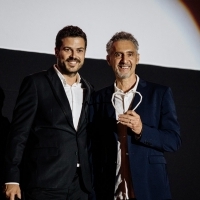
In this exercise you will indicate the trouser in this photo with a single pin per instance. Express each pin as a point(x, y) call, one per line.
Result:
point(76, 191)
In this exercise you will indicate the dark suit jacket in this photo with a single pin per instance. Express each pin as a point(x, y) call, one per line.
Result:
point(160, 134)
point(43, 140)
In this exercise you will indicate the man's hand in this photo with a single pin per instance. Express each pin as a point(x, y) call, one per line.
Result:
point(132, 120)
point(12, 190)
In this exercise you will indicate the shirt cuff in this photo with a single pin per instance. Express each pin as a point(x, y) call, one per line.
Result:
point(12, 183)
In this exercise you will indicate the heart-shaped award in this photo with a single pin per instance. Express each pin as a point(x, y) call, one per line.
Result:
point(118, 92)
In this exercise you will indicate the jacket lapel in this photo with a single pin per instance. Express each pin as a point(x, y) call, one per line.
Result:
point(58, 90)
point(108, 102)
point(141, 90)
point(83, 120)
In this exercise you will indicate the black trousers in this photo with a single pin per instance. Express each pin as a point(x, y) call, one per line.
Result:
point(76, 191)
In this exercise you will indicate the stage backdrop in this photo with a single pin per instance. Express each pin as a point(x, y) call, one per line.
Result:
point(169, 38)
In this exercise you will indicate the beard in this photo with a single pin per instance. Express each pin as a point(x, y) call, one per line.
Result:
point(122, 75)
point(69, 70)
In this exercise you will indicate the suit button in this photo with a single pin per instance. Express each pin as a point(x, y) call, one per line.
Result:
point(76, 153)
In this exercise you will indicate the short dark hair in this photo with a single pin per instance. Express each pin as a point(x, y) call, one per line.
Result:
point(121, 36)
point(70, 31)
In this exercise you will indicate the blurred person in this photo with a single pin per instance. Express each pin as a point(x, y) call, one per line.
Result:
point(4, 129)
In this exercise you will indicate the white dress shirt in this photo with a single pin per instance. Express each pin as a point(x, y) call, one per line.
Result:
point(74, 95)
point(122, 103)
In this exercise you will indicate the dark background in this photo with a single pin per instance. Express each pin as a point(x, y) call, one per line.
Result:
point(184, 165)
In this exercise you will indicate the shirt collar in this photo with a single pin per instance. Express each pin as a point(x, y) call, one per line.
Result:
point(116, 89)
point(62, 78)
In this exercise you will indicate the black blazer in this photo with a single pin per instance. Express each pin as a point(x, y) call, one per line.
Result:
point(43, 142)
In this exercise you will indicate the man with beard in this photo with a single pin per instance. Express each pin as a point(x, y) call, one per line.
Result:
point(47, 146)
point(135, 123)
